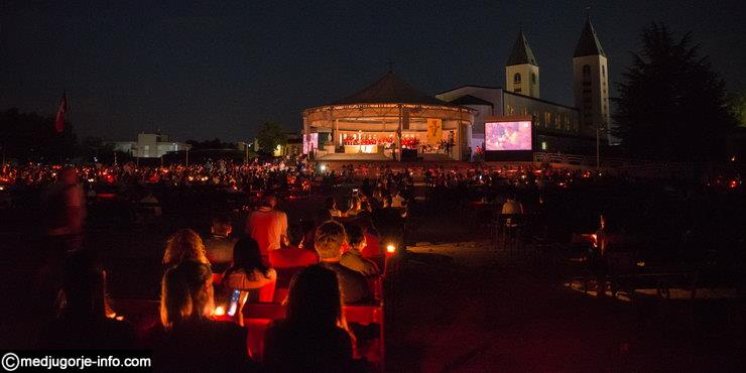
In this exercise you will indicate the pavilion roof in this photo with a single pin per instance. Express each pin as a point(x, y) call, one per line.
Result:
point(390, 89)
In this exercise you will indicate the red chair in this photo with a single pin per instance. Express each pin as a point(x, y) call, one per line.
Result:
point(284, 276)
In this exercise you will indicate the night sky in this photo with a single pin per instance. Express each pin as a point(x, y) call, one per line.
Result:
point(205, 69)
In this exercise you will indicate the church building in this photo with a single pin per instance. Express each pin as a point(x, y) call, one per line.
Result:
point(556, 127)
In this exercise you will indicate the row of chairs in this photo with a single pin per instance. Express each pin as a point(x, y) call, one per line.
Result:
point(256, 316)
point(270, 306)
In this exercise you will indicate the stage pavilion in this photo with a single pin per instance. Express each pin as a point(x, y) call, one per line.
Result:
point(388, 120)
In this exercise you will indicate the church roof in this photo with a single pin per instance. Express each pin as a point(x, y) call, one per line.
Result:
point(521, 53)
point(390, 89)
point(470, 100)
point(588, 45)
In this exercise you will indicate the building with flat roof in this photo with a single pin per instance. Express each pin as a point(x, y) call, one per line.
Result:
point(150, 145)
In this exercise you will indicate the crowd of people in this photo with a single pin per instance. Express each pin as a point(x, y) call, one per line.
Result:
point(333, 261)
point(331, 270)
point(337, 261)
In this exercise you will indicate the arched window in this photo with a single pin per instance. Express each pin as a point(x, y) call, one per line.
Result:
point(603, 71)
point(517, 78)
point(533, 78)
point(586, 71)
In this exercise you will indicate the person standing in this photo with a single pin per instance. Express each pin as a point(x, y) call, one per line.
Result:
point(65, 211)
point(268, 226)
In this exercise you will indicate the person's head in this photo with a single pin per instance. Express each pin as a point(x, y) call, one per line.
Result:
point(330, 203)
point(329, 238)
point(83, 285)
point(268, 200)
point(221, 226)
point(246, 255)
point(314, 299)
point(356, 237)
point(183, 245)
point(68, 175)
point(186, 293)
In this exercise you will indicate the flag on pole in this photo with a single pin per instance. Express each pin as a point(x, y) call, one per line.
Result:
point(59, 120)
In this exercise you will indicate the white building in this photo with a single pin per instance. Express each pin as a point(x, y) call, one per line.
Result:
point(150, 145)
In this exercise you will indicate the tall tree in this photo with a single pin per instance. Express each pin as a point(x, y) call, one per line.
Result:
point(269, 136)
point(671, 104)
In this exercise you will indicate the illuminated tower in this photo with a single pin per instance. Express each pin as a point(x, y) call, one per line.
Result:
point(591, 81)
point(521, 70)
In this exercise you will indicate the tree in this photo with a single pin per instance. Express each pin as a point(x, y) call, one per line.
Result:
point(270, 135)
point(737, 106)
point(671, 104)
point(31, 137)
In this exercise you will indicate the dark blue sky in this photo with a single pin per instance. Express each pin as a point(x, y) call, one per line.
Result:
point(201, 69)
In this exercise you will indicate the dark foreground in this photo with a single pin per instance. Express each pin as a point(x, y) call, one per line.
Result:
point(456, 305)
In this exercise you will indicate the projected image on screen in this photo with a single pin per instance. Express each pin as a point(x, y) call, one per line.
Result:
point(310, 142)
point(507, 136)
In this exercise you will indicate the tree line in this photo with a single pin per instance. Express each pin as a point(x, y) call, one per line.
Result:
point(30, 137)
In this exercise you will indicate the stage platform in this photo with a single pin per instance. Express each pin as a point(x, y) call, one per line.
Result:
point(370, 157)
point(377, 157)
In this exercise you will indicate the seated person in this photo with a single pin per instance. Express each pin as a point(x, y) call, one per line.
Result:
point(353, 258)
point(372, 249)
point(248, 271)
point(330, 236)
point(83, 322)
point(309, 229)
point(313, 337)
point(354, 207)
point(183, 245)
point(188, 339)
point(219, 246)
point(291, 257)
point(331, 206)
point(512, 206)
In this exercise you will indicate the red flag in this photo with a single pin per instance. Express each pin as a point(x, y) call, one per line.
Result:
point(59, 120)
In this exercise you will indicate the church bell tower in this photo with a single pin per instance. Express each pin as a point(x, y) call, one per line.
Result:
point(591, 81)
point(521, 69)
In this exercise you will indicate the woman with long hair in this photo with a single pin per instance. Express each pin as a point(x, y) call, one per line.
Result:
point(248, 274)
point(314, 335)
point(185, 244)
point(190, 340)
